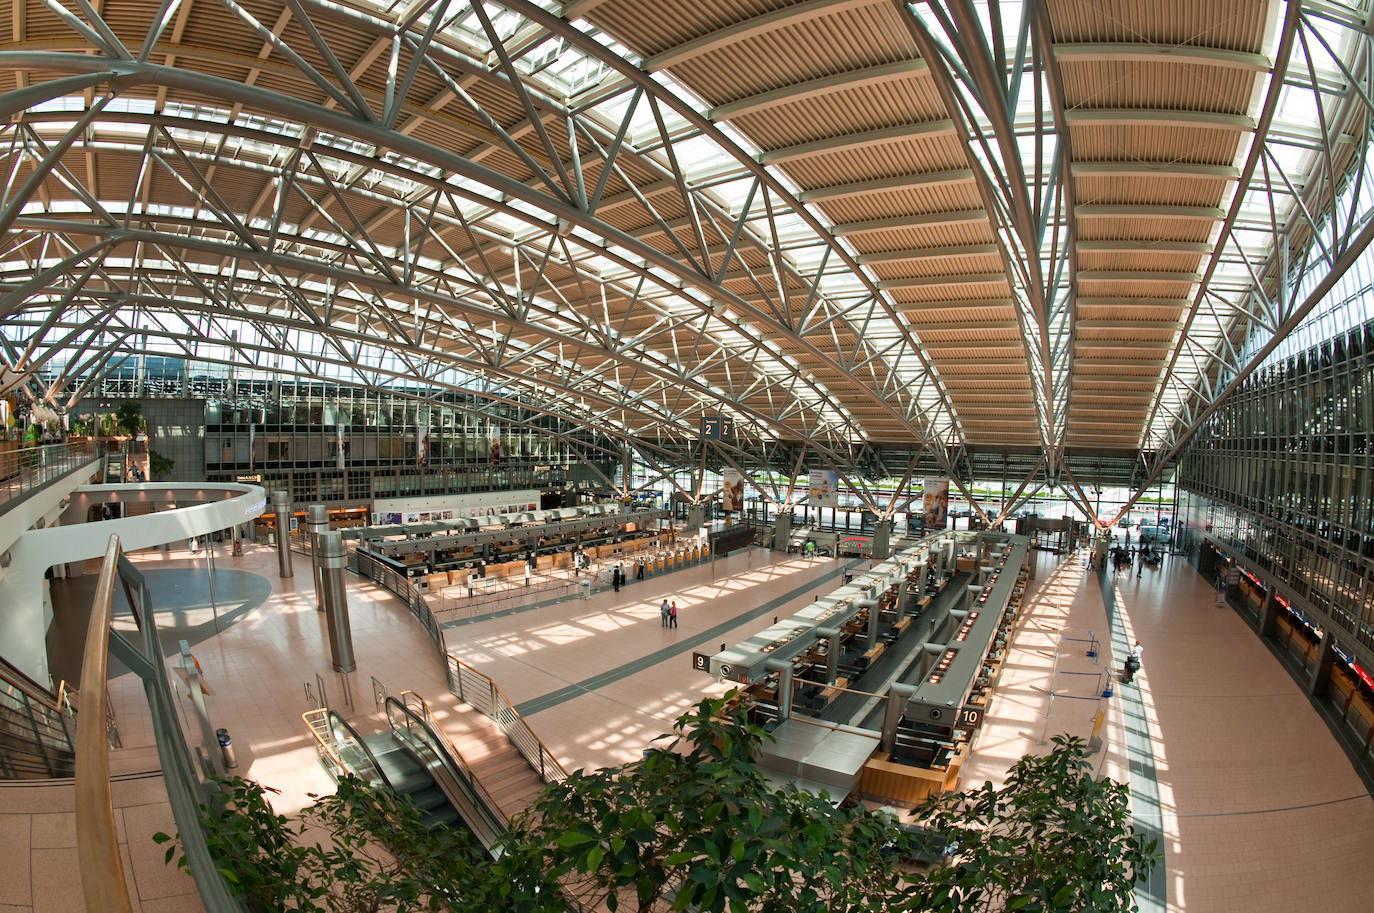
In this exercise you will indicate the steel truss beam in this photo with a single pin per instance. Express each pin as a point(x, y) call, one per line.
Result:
point(883, 392)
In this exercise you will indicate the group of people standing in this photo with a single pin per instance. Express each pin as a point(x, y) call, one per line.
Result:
point(668, 613)
point(1122, 557)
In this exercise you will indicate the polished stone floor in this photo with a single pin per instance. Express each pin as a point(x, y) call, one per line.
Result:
point(1256, 806)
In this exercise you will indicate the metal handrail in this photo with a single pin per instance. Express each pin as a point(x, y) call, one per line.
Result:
point(97, 842)
point(69, 703)
point(501, 711)
point(102, 879)
point(327, 735)
point(38, 465)
point(431, 730)
point(16, 677)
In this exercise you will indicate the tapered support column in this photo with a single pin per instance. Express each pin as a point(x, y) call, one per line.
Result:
point(784, 670)
point(897, 697)
point(871, 634)
point(316, 522)
point(832, 652)
point(281, 505)
point(1326, 659)
point(332, 561)
point(782, 531)
point(882, 534)
point(1269, 614)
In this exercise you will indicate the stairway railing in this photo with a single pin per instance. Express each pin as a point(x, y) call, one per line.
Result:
point(411, 714)
point(102, 871)
point(341, 748)
point(486, 696)
point(36, 736)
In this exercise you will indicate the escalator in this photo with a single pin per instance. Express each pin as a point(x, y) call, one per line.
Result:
point(408, 777)
point(413, 759)
point(115, 468)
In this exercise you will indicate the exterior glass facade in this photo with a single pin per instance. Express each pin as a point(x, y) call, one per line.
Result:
point(1281, 475)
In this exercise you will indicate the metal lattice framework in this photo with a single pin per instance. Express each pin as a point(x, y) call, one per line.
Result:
point(885, 236)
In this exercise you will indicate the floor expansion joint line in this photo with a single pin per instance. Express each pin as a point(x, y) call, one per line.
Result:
point(1151, 895)
point(577, 689)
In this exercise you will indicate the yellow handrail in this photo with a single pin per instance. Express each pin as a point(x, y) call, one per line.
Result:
point(102, 870)
point(311, 717)
point(496, 690)
point(17, 679)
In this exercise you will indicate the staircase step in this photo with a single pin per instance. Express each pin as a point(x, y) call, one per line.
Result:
point(134, 760)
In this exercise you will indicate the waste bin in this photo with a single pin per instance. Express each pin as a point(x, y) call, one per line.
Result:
point(226, 749)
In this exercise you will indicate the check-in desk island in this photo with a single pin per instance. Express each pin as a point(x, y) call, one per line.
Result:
point(439, 553)
point(878, 687)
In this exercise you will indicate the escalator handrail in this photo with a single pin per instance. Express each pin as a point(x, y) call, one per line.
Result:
point(335, 720)
point(446, 752)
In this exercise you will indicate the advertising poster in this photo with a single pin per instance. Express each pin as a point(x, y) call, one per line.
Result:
point(340, 456)
point(825, 488)
point(732, 495)
point(935, 503)
point(421, 445)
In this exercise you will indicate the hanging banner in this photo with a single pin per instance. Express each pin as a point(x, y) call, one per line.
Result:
point(252, 440)
point(732, 495)
point(421, 445)
point(340, 457)
point(935, 503)
point(825, 488)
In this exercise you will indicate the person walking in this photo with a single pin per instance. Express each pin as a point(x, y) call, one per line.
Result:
point(672, 615)
point(527, 574)
point(472, 581)
point(1140, 569)
point(663, 614)
point(615, 578)
point(639, 568)
point(1132, 665)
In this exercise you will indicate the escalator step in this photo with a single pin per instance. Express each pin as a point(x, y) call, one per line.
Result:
point(443, 816)
point(430, 798)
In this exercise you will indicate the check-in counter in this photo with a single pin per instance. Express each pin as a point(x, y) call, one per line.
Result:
point(907, 785)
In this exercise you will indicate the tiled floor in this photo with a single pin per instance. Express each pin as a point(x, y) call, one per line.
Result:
point(1260, 809)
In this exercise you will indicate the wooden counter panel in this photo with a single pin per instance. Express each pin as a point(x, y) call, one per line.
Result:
point(883, 780)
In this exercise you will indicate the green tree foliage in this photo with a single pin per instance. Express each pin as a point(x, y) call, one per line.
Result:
point(694, 826)
point(698, 828)
point(357, 851)
point(1052, 840)
point(129, 419)
point(159, 466)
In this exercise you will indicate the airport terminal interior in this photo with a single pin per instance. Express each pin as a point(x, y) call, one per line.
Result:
point(455, 393)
